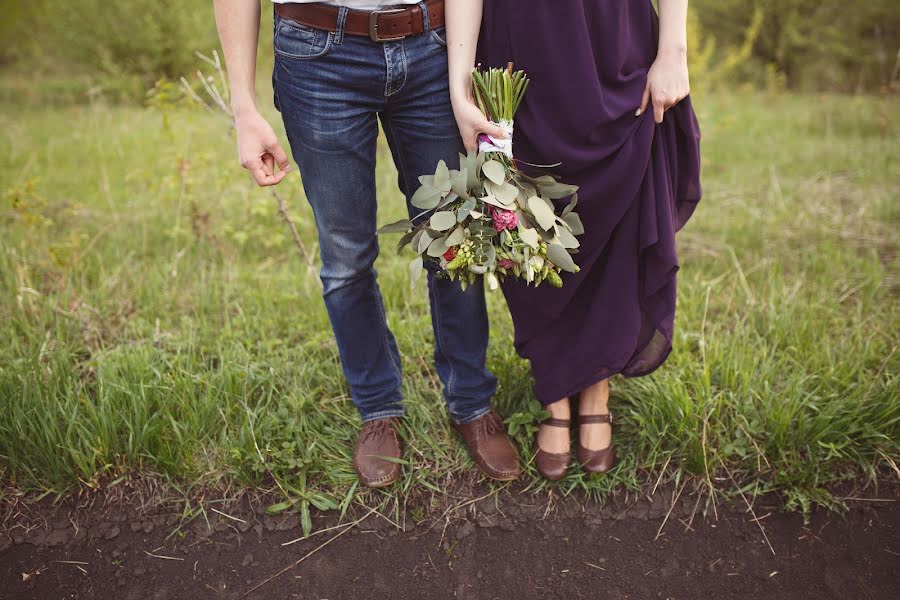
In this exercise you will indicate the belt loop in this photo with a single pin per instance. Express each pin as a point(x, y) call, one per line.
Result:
point(426, 26)
point(341, 22)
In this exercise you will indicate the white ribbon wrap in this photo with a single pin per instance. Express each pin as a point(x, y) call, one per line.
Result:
point(492, 144)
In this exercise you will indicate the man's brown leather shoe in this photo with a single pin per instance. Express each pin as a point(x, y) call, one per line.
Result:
point(490, 447)
point(377, 439)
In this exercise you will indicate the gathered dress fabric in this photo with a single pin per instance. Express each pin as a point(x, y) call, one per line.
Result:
point(639, 183)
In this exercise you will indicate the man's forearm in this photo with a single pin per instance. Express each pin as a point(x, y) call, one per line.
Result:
point(463, 23)
point(673, 26)
point(238, 25)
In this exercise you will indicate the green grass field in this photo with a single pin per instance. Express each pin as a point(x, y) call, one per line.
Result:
point(156, 317)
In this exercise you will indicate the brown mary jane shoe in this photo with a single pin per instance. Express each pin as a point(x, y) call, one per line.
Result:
point(552, 465)
point(596, 461)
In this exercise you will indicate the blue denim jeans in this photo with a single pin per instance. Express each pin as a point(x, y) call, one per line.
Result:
point(332, 89)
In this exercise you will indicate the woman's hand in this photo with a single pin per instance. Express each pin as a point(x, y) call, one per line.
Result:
point(667, 83)
point(471, 121)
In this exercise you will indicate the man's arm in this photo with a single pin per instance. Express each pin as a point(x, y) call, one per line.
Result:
point(258, 147)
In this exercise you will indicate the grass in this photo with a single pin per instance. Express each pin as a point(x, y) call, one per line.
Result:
point(155, 317)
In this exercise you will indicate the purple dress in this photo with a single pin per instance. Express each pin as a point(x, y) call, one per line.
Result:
point(639, 183)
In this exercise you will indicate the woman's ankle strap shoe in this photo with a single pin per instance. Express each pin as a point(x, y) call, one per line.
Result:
point(552, 465)
point(596, 461)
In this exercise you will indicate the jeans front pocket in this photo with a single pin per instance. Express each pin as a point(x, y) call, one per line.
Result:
point(295, 41)
point(439, 35)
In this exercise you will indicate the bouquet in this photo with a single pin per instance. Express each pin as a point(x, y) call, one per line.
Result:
point(489, 218)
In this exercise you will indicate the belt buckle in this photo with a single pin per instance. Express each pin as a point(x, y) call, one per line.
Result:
point(373, 24)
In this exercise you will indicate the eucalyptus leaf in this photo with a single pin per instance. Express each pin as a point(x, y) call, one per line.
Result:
point(442, 177)
point(406, 239)
point(438, 247)
point(571, 205)
point(424, 242)
point(459, 183)
point(543, 213)
point(529, 236)
point(492, 200)
point(456, 237)
point(414, 242)
point(426, 197)
point(558, 190)
point(472, 175)
point(442, 220)
point(561, 258)
point(522, 217)
point(566, 238)
point(401, 226)
point(574, 222)
point(426, 180)
point(448, 199)
point(415, 270)
point(494, 171)
point(506, 193)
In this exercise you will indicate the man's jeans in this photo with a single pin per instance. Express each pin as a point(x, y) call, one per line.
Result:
point(331, 90)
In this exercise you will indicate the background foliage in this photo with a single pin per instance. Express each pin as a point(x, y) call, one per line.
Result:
point(809, 45)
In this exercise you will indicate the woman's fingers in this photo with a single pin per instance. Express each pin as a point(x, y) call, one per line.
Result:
point(493, 130)
point(470, 138)
point(644, 100)
point(659, 109)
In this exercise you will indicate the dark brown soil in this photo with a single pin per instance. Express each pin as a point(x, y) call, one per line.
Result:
point(522, 551)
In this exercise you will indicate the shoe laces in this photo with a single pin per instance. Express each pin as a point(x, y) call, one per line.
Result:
point(376, 429)
point(488, 426)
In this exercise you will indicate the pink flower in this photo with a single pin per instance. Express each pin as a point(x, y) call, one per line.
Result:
point(450, 254)
point(504, 219)
point(507, 263)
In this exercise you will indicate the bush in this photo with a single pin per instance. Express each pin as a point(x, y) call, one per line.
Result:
point(810, 44)
point(143, 40)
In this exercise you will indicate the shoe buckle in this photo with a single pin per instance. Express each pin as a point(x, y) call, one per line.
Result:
point(373, 25)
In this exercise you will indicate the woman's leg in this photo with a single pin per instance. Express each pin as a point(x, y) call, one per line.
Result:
point(595, 401)
point(555, 439)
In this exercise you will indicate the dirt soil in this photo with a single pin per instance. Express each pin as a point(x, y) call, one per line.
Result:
point(485, 549)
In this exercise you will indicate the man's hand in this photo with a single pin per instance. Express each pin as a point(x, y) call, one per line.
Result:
point(259, 150)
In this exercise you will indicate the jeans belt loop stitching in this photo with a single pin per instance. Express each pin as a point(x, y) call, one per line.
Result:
point(341, 22)
point(426, 18)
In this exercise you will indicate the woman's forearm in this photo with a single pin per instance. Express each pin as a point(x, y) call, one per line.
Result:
point(463, 23)
point(238, 25)
point(673, 26)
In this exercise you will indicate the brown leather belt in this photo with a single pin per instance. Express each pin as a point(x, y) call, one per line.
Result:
point(379, 25)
